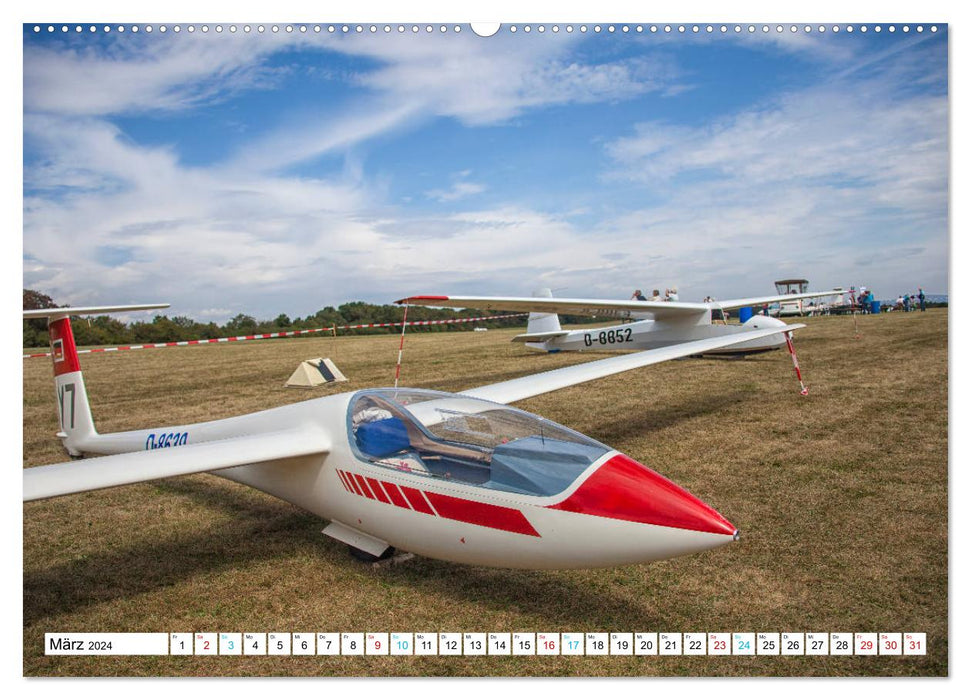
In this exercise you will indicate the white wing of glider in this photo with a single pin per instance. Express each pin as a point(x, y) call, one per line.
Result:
point(578, 307)
point(660, 310)
point(759, 301)
point(535, 384)
point(134, 467)
point(63, 311)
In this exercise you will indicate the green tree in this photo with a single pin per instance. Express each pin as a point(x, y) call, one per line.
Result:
point(37, 300)
point(35, 329)
point(241, 322)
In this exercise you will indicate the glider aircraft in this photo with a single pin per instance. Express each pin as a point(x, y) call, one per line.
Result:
point(461, 477)
point(652, 324)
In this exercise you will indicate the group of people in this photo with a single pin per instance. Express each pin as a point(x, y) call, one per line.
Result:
point(865, 299)
point(669, 295)
point(911, 302)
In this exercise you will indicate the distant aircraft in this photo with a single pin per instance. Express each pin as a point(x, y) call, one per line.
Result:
point(460, 477)
point(652, 324)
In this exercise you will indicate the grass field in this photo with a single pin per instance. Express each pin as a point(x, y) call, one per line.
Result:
point(841, 498)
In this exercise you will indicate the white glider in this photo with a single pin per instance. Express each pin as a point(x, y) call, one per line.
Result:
point(460, 477)
point(651, 324)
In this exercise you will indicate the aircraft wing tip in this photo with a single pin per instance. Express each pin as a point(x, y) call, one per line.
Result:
point(420, 298)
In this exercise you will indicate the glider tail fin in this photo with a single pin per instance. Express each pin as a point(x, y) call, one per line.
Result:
point(542, 322)
point(74, 411)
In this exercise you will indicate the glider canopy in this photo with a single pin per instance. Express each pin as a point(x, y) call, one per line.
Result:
point(452, 437)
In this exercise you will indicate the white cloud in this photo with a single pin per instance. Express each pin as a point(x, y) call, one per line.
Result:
point(484, 82)
point(189, 235)
point(414, 79)
point(298, 142)
point(460, 189)
point(819, 182)
point(148, 228)
point(856, 133)
point(138, 74)
point(504, 250)
point(462, 77)
point(798, 181)
point(140, 221)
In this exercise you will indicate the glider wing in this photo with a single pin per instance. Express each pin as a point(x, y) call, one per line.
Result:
point(64, 311)
point(759, 301)
point(533, 385)
point(134, 467)
point(580, 307)
point(660, 310)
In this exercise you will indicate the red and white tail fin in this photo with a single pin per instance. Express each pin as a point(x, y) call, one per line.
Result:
point(73, 409)
point(77, 425)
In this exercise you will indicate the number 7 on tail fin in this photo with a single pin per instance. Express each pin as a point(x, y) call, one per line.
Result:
point(76, 423)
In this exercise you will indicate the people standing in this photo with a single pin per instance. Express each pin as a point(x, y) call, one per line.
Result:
point(638, 296)
point(922, 298)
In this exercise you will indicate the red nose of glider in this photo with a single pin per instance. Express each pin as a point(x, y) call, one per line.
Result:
point(627, 490)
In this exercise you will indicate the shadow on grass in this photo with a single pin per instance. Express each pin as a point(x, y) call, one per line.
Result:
point(650, 418)
point(147, 567)
point(266, 531)
point(483, 373)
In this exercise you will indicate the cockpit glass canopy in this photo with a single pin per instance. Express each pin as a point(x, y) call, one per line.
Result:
point(457, 438)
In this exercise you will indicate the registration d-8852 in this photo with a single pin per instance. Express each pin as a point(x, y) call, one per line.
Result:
point(611, 337)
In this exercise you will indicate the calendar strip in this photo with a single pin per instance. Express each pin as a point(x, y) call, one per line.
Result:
point(487, 644)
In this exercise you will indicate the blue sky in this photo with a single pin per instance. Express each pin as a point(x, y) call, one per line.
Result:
point(232, 172)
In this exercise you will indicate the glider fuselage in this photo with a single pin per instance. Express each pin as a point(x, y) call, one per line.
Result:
point(650, 334)
point(610, 511)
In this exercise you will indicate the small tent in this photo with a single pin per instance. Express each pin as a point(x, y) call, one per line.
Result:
point(319, 370)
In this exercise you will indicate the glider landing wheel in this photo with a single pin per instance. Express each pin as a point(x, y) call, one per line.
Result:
point(369, 558)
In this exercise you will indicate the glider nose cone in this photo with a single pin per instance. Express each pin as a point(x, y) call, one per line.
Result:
point(627, 490)
point(663, 502)
point(669, 504)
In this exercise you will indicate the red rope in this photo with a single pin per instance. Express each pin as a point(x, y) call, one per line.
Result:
point(795, 363)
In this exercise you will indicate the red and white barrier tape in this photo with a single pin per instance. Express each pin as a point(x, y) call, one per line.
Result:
point(280, 334)
point(426, 323)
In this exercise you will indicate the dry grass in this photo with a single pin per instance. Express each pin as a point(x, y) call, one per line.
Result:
point(841, 498)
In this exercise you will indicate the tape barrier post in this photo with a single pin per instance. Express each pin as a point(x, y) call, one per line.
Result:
point(401, 347)
point(853, 312)
point(795, 364)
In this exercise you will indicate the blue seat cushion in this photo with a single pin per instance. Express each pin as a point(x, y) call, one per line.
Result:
point(383, 438)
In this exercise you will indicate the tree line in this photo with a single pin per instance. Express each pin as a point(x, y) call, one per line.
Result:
point(105, 330)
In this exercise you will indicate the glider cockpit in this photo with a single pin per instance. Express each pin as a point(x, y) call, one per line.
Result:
point(469, 440)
